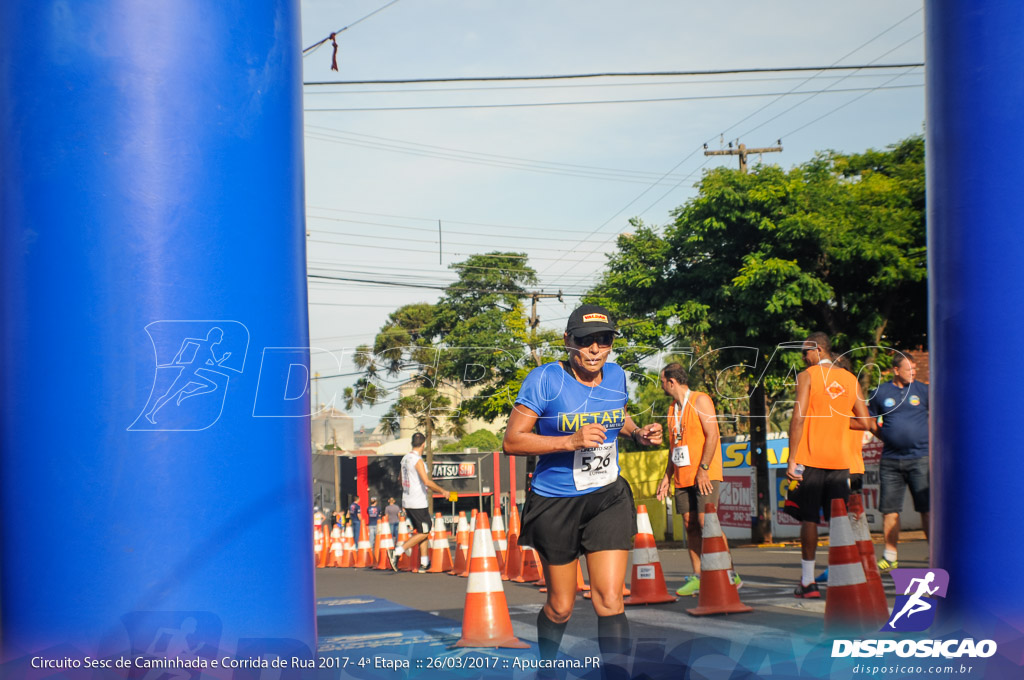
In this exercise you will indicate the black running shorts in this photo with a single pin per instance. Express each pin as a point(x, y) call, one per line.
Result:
point(818, 489)
point(561, 529)
point(419, 520)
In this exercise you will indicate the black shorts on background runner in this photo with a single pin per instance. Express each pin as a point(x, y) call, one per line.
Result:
point(818, 488)
point(419, 520)
point(563, 528)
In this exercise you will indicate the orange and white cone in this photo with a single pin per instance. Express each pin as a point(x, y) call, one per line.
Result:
point(440, 554)
point(500, 540)
point(337, 549)
point(386, 543)
point(348, 557)
point(530, 570)
point(862, 534)
point(319, 548)
point(461, 547)
point(363, 558)
point(648, 579)
point(718, 594)
point(377, 538)
point(326, 543)
point(514, 556)
point(403, 536)
point(848, 602)
point(486, 621)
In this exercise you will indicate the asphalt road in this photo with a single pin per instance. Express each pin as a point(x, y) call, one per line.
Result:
point(769, 576)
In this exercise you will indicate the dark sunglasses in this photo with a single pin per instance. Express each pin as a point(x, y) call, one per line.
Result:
point(602, 339)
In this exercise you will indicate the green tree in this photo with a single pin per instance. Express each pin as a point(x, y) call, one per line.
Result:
point(473, 342)
point(836, 244)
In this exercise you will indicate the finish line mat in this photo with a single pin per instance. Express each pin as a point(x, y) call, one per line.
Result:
point(370, 637)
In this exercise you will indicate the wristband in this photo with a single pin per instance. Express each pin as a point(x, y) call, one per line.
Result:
point(632, 435)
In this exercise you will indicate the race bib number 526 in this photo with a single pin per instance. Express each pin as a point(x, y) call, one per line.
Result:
point(596, 467)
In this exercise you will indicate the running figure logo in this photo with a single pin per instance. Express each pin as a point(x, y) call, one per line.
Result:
point(915, 608)
point(194, 363)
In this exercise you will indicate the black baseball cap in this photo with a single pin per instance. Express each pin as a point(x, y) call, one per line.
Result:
point(587, 319)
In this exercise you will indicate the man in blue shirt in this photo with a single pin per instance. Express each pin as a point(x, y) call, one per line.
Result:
point(901, 407)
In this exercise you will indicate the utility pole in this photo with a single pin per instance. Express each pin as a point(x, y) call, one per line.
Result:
point(742, 151)
point(535, 320)
point(761, 530)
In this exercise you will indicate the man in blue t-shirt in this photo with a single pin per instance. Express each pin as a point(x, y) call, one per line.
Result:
point(901, 408)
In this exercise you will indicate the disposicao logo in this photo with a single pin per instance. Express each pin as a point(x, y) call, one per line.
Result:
point(914, 611)
point(915, 608)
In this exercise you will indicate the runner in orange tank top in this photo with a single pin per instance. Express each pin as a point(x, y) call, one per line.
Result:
point(694, 461)
point(828, 404)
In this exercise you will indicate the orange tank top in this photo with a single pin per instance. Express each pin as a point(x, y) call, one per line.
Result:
point(856, 441)
point(685, 430)
point(825, 443)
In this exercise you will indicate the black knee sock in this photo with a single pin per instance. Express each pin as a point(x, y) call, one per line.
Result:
point(613, 634)
point(615, 644)
point(549, 635)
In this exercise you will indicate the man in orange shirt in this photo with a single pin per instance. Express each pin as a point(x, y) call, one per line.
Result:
point(694, 462)
point(828, 403)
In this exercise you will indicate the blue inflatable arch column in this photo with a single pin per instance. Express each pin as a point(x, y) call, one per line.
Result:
point(154, 449)
point(975, 99)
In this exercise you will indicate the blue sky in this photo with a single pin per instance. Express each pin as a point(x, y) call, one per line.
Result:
point(560, 182)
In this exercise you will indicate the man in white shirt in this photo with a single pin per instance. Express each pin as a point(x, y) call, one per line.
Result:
point(415, 482)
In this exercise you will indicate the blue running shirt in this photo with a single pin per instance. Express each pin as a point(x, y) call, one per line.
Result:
point(565, 406)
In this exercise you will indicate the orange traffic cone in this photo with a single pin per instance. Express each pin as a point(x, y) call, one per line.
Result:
point(500, 540)
point(440, 554)
point(348, 557)
point(848, 602)
point(377, 538)
point(403, 536)
point(461, 547)
point(648, 580)
point(318, 546)
point(530, 570)
point(486, 622)
point(325, 543)
point(337, 549)
point(718, 594)
point(386, 544)
point(862, 535)
point(363, 558)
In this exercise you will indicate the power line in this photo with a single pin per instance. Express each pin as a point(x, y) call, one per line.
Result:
point(833, 66)
point(606, 74)
point(570, 86)
point(473, 156)
point(595, 102)
point(309, 50)
point(413, 285)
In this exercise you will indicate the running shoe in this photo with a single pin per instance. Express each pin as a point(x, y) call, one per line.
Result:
point(885, 566)
point(424, 568)
point(689, 587)
point(736, 580)
point(822, 577)
point(807, 592)
point(392, 559)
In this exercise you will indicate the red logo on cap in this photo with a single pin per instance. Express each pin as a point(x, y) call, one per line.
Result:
point(595, 317)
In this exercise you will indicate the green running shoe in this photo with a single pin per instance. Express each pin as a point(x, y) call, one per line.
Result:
point(885, 566)
point(690, 587)
point(736, 580)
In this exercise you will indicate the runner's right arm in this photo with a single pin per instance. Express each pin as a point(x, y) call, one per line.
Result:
point(521, 440)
